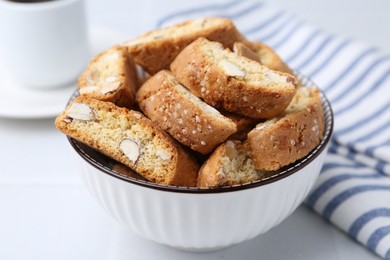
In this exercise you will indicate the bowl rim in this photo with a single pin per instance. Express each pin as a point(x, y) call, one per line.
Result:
point(281, 174)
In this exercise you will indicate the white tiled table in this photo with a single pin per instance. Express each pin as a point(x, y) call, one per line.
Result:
point(46, 213)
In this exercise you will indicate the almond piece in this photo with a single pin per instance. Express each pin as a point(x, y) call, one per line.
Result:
point(92, 76)
point(110, 87)
point(80, 111)
point(131, 149)
point(163, 155)
point(242, 50)
point(111, 79)
point(88, 90)
point(230, 150)
point(231, 69)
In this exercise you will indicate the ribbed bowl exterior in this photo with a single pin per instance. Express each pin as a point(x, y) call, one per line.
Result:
point(204, 221)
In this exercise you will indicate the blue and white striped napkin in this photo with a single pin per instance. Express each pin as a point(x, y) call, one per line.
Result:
point(353, 190)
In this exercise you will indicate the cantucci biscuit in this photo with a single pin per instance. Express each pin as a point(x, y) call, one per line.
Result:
point(156, 49)
point(130, 138)
point(110, 76)
point(183, 115)
point(282, 140)
point(232, 82)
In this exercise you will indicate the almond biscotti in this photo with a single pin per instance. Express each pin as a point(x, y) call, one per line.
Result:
point(229, 164)
point(156, 49)
point(130, 138)
point(282, 140)
point(183, 115)
point(110, 76)
point(232, 82)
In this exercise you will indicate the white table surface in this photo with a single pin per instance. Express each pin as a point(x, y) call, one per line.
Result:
point(47, 213)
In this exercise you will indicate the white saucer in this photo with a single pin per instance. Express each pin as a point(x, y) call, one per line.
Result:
point(19, 102)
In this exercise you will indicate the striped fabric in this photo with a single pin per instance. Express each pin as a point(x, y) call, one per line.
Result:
point(353, 190)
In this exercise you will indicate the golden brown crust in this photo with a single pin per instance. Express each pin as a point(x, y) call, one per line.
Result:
point(207, 80)
point(183, 115)
point(118, 86)
point(158, 54)
point(210, 174)
point(160, 159)
point(279, 142)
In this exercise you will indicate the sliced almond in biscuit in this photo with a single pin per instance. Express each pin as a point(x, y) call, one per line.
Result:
point(92, 76)
point(231, 69)
point(131, 149)
point(163, 155)
point(88, 90)
point(230, 150)
point(110, 87)
point(80, 112)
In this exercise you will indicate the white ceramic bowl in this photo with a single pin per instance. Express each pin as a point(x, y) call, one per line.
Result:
point(202, 219)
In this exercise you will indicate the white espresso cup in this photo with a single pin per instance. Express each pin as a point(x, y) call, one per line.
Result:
point(43, 44)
